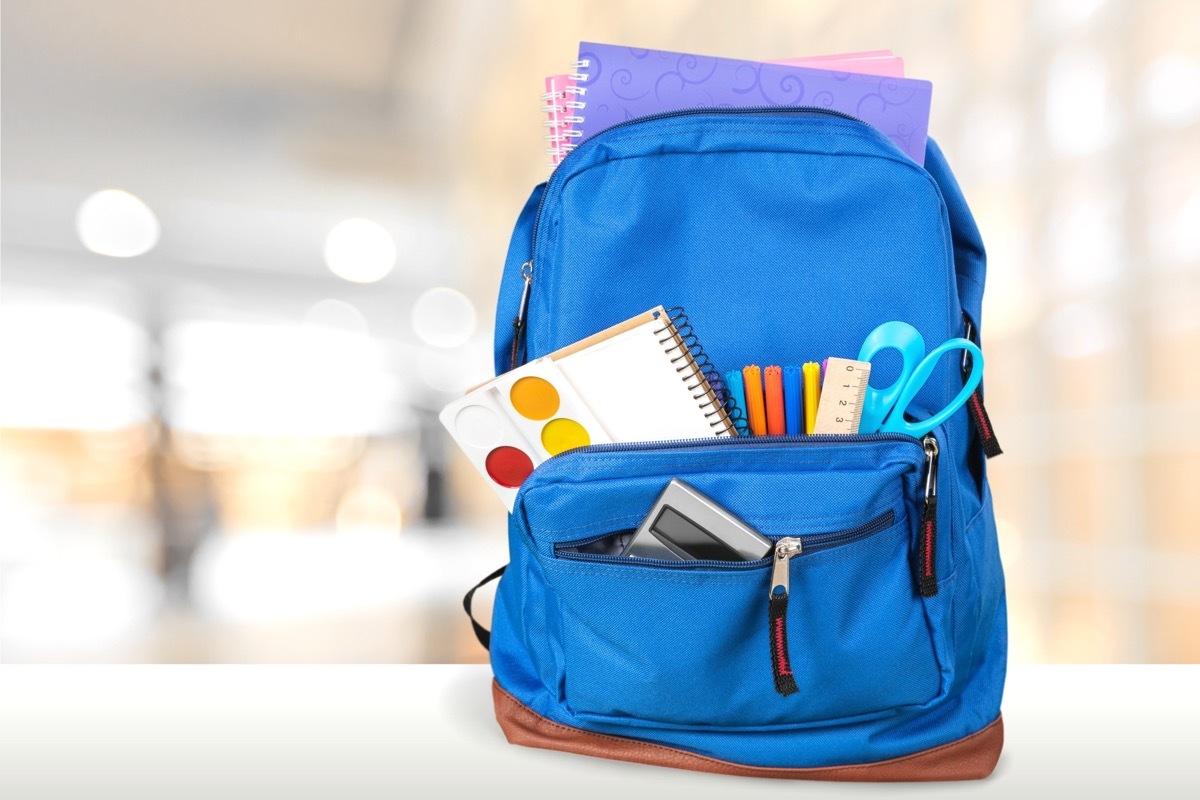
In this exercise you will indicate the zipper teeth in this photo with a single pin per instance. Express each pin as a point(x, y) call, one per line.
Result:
point(788, 111)
point(730, 441)
point(812, 543)
point(870, 528)
point(660, 562)
point(687, 112)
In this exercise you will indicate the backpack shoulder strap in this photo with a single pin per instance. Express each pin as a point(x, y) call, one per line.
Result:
point(481, 633)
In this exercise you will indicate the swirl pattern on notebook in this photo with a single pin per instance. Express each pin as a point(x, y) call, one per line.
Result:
point(621, 83)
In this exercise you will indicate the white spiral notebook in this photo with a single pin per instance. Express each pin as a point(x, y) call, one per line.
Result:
point(643, 382)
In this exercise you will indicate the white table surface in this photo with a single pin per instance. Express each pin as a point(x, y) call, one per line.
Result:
point(416, 731)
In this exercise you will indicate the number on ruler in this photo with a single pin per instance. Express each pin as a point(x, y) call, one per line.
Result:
point(840, 410)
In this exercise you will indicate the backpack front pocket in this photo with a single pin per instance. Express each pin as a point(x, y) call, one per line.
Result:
point(691, 643)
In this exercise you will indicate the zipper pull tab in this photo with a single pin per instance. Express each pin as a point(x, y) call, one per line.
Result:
point(519, 323)
point(983, 425)
point(784, 550)
point(975, 410)
point(927, 557)
point(781, 664)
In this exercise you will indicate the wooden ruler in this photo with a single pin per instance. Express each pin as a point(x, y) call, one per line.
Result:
point(842, 395)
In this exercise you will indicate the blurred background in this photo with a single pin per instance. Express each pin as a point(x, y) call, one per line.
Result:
point(251, 248)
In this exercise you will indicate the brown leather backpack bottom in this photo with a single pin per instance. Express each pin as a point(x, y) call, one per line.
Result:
point(969, 758)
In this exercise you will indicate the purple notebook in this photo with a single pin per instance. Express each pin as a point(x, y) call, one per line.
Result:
point(624, 82)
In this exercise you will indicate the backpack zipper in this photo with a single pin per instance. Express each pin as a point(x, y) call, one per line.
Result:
point(927, 557)
point(763, 111)
point(975, 408)
point(803, 440)
point(812, 542)
point(518, 347)
point(518, 342)
point(788, 548)
point(781, 555)
point(781, 662)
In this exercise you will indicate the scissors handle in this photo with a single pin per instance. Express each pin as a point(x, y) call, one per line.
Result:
point(896, 423)
point(905, 339)
point(883, 409)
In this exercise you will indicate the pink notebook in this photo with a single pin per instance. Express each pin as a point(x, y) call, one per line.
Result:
point(561, 107)
point(872, 62)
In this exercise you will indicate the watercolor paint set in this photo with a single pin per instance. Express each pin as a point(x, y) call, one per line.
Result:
point(511, 424)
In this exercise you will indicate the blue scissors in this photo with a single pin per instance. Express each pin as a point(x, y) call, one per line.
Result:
point(884, 409)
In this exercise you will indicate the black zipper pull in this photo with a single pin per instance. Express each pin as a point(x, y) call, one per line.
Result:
point(975, 410)
point(781, 664)
point(983, 425)
point(927, 547)
point(518, 342)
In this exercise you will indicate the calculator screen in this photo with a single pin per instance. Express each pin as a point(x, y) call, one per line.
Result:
point(676, 529)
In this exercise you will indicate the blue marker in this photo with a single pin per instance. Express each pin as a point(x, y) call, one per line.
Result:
point(793, 400)
point(736, 388)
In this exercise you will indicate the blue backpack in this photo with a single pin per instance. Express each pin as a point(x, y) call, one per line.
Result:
point(787, 235)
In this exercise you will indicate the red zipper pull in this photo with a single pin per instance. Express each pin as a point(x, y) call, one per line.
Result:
point(975, 410)
point(781, 664)
point(927, 548)
point(983, 425)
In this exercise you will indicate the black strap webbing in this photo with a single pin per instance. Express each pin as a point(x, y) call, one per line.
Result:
point(481, 633)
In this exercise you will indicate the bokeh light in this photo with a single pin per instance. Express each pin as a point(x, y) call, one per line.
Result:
point(360, 251)
point(115, 223)
point(443, 317)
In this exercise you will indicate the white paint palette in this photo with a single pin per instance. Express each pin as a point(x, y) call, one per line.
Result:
point(513, 423)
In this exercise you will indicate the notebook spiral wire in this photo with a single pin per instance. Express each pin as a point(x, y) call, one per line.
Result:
point(563, 107)
point(702, 377)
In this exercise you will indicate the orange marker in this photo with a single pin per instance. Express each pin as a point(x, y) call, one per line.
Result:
point(752, 377)
point(776, 420)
